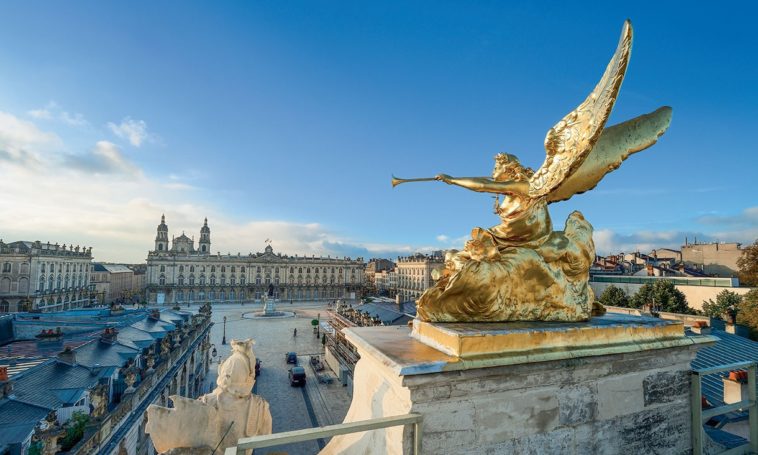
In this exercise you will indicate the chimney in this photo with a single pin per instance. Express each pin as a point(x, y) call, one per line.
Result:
point(67, 356)
point(701, 328)
point(6, 386)
point(109, 335)
point(735, 387)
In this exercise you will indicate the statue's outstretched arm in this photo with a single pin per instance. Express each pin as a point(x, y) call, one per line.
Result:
point(485, 184)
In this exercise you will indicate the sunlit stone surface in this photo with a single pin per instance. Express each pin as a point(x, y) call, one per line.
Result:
point(219, 418)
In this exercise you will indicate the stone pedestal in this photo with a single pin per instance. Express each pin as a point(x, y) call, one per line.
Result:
point(624, 387)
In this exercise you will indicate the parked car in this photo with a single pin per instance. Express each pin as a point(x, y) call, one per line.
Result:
point(257, 367)
point(297, 376)
point(291, 357)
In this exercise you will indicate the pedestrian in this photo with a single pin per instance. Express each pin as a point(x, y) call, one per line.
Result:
point(294, 333)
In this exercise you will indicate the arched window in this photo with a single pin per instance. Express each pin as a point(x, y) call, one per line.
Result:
point(163, 268)
point(162, 280)
point(213, 280)
point(242, 281)
point(180, 280)
point(242, 269)
point(192, 280)
point(202, 280)
point(259, 269)
point(42, 269)
point(50, 282)
point(292, 270)
point(315, 270)
point(308, 270)
point(232, 281)
point(213, 268)
point(223, 280)
point(67, 267)
point(276, 281)
point(58, 282)
point(223, 268)
point(299, 270)
point(202, 269)
point(160, 247)
point(233, 269)
point(7, 267)
point(257, 280)
point(41, 285)
point(181, 269)
point(192, 269)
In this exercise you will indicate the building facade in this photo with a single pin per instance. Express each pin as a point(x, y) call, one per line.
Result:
point(718, 259)
point(112, 282)
point(180, 273)
point(43, 276)
point(414, 274)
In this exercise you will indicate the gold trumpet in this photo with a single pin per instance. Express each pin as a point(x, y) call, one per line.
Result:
point(396, 181)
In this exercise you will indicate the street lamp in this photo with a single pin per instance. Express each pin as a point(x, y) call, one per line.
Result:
point(223, 339)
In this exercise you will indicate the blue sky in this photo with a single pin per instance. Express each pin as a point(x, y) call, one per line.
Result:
point(285, 120)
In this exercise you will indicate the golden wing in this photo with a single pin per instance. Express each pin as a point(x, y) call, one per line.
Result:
point(570, 140)
point(614, 146)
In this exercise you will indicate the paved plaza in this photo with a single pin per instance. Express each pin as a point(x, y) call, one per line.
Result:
point(292, 408)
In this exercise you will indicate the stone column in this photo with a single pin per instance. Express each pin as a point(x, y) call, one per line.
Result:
point(617, 384)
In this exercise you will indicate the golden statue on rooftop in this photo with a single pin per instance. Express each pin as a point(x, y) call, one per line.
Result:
point(520, 269)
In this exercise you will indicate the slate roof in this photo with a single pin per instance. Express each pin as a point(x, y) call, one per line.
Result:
point(105, 355)
point(51, 385)
point(389, 313)
point(135, 338)
point(729, 349)
point(157, 329)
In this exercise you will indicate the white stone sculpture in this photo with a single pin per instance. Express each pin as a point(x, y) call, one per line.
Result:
point(219, 418)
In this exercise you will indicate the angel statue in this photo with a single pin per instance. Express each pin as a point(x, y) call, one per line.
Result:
point(522, 270)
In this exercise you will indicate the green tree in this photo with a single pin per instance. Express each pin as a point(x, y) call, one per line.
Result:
point(748, 313)
point(748, 265)
point(663, 296)
point(74, 430)
point(614, 296)
point(35, 448)
point(726, 302)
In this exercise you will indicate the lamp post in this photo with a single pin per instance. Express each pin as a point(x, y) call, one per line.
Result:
point(223, 339)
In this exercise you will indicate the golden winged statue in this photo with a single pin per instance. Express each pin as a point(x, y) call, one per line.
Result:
point(520, 269)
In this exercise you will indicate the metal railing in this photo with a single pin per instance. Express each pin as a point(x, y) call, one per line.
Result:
point(700, 415)
point(309, 434)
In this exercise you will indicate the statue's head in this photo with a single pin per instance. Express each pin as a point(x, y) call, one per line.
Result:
point(508, 168)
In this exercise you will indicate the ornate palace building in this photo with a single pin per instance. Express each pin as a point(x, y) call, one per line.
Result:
point(43, 276)
point(414, 274)
point(180, 273)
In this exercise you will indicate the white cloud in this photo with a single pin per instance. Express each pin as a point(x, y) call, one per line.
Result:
point(105, 158)
point(52, 111)
point(22, 141)
point(135, 131)
point(99, 198)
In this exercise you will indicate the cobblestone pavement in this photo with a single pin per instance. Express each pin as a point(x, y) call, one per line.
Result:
point(292, 408)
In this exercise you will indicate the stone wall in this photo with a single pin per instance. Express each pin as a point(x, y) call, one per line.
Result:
point(627, 403)
point(626, 398)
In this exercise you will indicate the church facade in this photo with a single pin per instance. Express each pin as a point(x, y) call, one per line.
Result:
point(179, 273)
